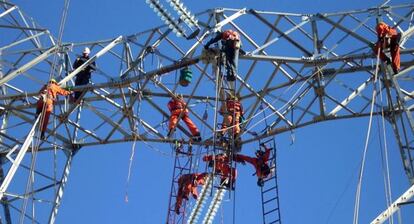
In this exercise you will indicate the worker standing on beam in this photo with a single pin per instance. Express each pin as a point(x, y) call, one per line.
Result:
point(231, 46)
point(47, 98)
point(223, 168)
point(84, 76)
point(260, 163)
point(233, 114)
point(178, 109)
point(388, 38)
point(187, 184)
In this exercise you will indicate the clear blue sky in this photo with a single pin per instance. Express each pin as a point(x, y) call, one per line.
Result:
point(318, 173)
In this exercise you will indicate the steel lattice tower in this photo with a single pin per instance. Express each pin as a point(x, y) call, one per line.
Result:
point(310, 76)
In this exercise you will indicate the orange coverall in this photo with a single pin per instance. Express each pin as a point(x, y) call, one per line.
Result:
point(388, 38)
point(176, 106)
point(222, 166)
point(232, 116)
point(187, 184)
point(259, 163)
point(48, 95)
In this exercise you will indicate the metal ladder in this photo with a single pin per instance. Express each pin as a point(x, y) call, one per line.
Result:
point(182, 165)
point(270, 189)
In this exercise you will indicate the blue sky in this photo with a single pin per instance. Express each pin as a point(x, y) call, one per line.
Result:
point(318, 172)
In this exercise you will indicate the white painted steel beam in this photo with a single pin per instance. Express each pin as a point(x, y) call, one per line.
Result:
point(395, 206)
point(15, 164)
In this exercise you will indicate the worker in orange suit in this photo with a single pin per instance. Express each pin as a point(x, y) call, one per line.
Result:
point(233, 114)
point(260, 163)
point(222, 167)
point(388, 38)
point(231, 46)
point(47, 97)
point(187, 184)
point(178, 110)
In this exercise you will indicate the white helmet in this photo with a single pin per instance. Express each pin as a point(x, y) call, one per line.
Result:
point(86, 50)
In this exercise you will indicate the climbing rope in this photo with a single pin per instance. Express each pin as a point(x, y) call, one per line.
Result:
point(359, 185)
point(131, 159)
point(384, 156)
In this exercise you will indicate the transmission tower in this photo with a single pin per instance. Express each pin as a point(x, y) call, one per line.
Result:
point(309, 74)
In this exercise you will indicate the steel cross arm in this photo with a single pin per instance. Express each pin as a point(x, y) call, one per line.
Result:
point(406, 196)
point(361, 68)
point(279, 130)
point(315, 61)
point(142, 138)
point(278, 38)
point(265, 101)
point(181, 64)
point(346, 30)
point(30, 64)
point(307, 53)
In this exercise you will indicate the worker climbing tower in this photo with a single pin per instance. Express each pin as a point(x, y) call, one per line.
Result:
point(182, 165)
point(299, 70)
point(270, 189)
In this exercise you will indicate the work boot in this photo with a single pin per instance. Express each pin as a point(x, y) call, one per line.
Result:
point(395, 70)
point(231, 78)
point(260, 182)
point(42, 136)
point(197, 137)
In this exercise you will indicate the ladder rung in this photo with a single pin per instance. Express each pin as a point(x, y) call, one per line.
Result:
point(273, 210)
point(276, 221)
point(269, 189)
point(265, 202)
point(271, 178)
point(182, 168)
